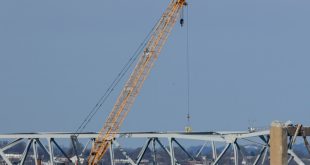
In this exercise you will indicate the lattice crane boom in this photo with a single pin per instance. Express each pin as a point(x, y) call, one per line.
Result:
point(132, 87)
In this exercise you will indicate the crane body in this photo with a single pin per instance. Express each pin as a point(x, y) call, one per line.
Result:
point(132, 87)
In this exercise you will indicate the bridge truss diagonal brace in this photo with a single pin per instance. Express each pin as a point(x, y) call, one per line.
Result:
point(61, 150)
point(42, 146)
point(295, 157)
point(171, 151)
point(12, 144)
point(123, 152)
point(143, 150)
point(264, 150)
point(236, 152)
point(8, 146)
point(74, 142)
point(200, 150)
point(51, 150)
point(35, 151)
point(7, 161)
point(183, 149)
point(112, 153)
point(154, 154)
point(26, 151)
point(221, 154)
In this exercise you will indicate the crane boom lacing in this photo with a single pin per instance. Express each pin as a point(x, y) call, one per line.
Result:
point(133, 85)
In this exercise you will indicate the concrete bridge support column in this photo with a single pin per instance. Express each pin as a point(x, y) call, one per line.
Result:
point(278, 144)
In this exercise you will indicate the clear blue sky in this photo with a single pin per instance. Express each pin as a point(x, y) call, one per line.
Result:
point(249, 61)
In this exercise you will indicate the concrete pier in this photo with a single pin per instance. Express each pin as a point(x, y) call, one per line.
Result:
point(278, 144)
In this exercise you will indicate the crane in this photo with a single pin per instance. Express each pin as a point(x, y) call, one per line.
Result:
point(133, 85)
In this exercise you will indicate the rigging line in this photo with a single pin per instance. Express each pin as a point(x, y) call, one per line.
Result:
point(108, 92)
point(115, 82)
point(91, 115)
point(188, 67)
point(111, 87)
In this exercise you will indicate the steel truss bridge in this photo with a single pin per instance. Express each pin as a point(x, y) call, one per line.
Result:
point(218, 142)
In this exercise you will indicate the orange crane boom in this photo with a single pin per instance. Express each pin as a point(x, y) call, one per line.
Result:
point(132, 87)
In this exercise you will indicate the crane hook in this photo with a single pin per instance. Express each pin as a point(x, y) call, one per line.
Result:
point(182, 15)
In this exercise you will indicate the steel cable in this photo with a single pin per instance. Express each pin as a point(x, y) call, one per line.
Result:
point(114, 83)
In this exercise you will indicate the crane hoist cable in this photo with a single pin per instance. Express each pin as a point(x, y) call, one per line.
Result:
point(188, 127)
point(112, 86)
point(132, 87)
